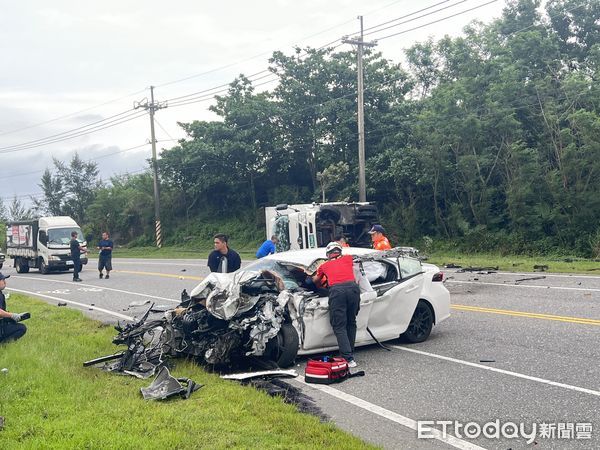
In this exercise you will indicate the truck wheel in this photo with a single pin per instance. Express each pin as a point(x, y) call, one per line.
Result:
point(21, 266)
point(44, 269)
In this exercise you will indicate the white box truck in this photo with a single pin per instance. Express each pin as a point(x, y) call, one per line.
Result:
point(42, 243)
point(313, 225)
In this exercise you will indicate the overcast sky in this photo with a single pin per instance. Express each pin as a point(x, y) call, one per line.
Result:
point(67, 64)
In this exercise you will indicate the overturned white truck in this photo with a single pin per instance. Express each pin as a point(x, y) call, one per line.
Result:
point(314, 225)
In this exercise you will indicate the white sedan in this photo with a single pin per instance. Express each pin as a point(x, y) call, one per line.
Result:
point(400, 297)
point(272, 310)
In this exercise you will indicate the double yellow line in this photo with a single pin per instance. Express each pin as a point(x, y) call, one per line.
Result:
point(158, 274)
point(507, 312)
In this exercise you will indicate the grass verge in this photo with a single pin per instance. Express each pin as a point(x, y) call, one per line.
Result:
point(48, 400)
point(517, 263)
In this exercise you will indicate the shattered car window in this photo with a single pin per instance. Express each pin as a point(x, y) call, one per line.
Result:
point(292, 276)
point(410, 267)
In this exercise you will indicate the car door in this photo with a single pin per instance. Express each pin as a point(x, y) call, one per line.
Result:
point(393, 308)
point(318, 333)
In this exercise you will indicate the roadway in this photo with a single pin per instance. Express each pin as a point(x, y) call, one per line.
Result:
point(523, 352)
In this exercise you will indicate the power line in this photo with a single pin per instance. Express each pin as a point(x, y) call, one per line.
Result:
point(69, 131)
point(72, 114)
point(438, 20)
point(413, 19)
point(406, 15)
point(109, 124)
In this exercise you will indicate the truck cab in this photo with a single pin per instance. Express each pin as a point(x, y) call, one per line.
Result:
point(314, 225)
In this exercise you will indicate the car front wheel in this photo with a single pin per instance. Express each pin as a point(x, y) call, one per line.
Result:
point(283, 348)
point(420, 325)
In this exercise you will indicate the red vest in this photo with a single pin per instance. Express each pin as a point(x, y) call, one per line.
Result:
point(338, 270)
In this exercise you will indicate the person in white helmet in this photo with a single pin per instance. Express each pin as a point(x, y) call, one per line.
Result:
point(344, 298)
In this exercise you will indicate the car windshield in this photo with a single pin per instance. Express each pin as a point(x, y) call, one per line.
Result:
point(292, 277)
point(62, 236)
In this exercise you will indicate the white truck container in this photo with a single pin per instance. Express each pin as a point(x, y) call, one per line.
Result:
point(313, 225)
point(42, 243)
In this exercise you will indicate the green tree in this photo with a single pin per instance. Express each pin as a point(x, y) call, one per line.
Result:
point(69, 189)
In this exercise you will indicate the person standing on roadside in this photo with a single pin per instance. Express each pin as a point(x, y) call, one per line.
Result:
point(10, 328)
point(76, 250)
point(267, 247)
point(344, 298)
point(380, 241)
point(105, 257)
point(223, 259)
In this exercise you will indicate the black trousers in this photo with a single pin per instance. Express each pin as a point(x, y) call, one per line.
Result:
point(344, 303)
point(76, 267)
point(11, 330)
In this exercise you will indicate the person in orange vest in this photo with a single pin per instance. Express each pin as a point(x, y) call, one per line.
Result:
point(344, 298)
point(380, 242)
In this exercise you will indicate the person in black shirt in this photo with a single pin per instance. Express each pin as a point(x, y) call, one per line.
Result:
point(76, 249)
point(10, 329)
point(105, 258)
point(222, 258)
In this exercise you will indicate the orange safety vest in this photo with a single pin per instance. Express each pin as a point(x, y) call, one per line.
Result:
point(382, 244)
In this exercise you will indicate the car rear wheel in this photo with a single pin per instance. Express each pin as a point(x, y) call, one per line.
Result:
point(283, 348)
point(420, 325)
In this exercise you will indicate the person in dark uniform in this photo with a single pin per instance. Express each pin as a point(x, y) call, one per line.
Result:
point(222, 258)
point(10, 328)
point(105, 258)
point(76, 249)
point(344, 298)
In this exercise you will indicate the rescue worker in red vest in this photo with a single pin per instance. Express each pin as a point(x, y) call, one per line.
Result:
point(380, 242)
point(344, 298)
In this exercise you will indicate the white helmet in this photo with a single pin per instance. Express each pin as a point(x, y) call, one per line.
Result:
point(333, 247)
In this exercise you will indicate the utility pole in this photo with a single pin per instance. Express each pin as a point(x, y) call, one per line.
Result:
point(360, 44)
point(152, 107)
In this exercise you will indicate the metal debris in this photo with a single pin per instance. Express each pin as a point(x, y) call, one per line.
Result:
point(261, 373)
point(478, 269)
point(530, 279)
point(140, 303)
point(165, 386)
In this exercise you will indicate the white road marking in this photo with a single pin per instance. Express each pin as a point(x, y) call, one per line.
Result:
point(390, 415)
point(103, 288)
point(502, 371)
point(82, 305)
point(544, 274)
point(531, 286)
